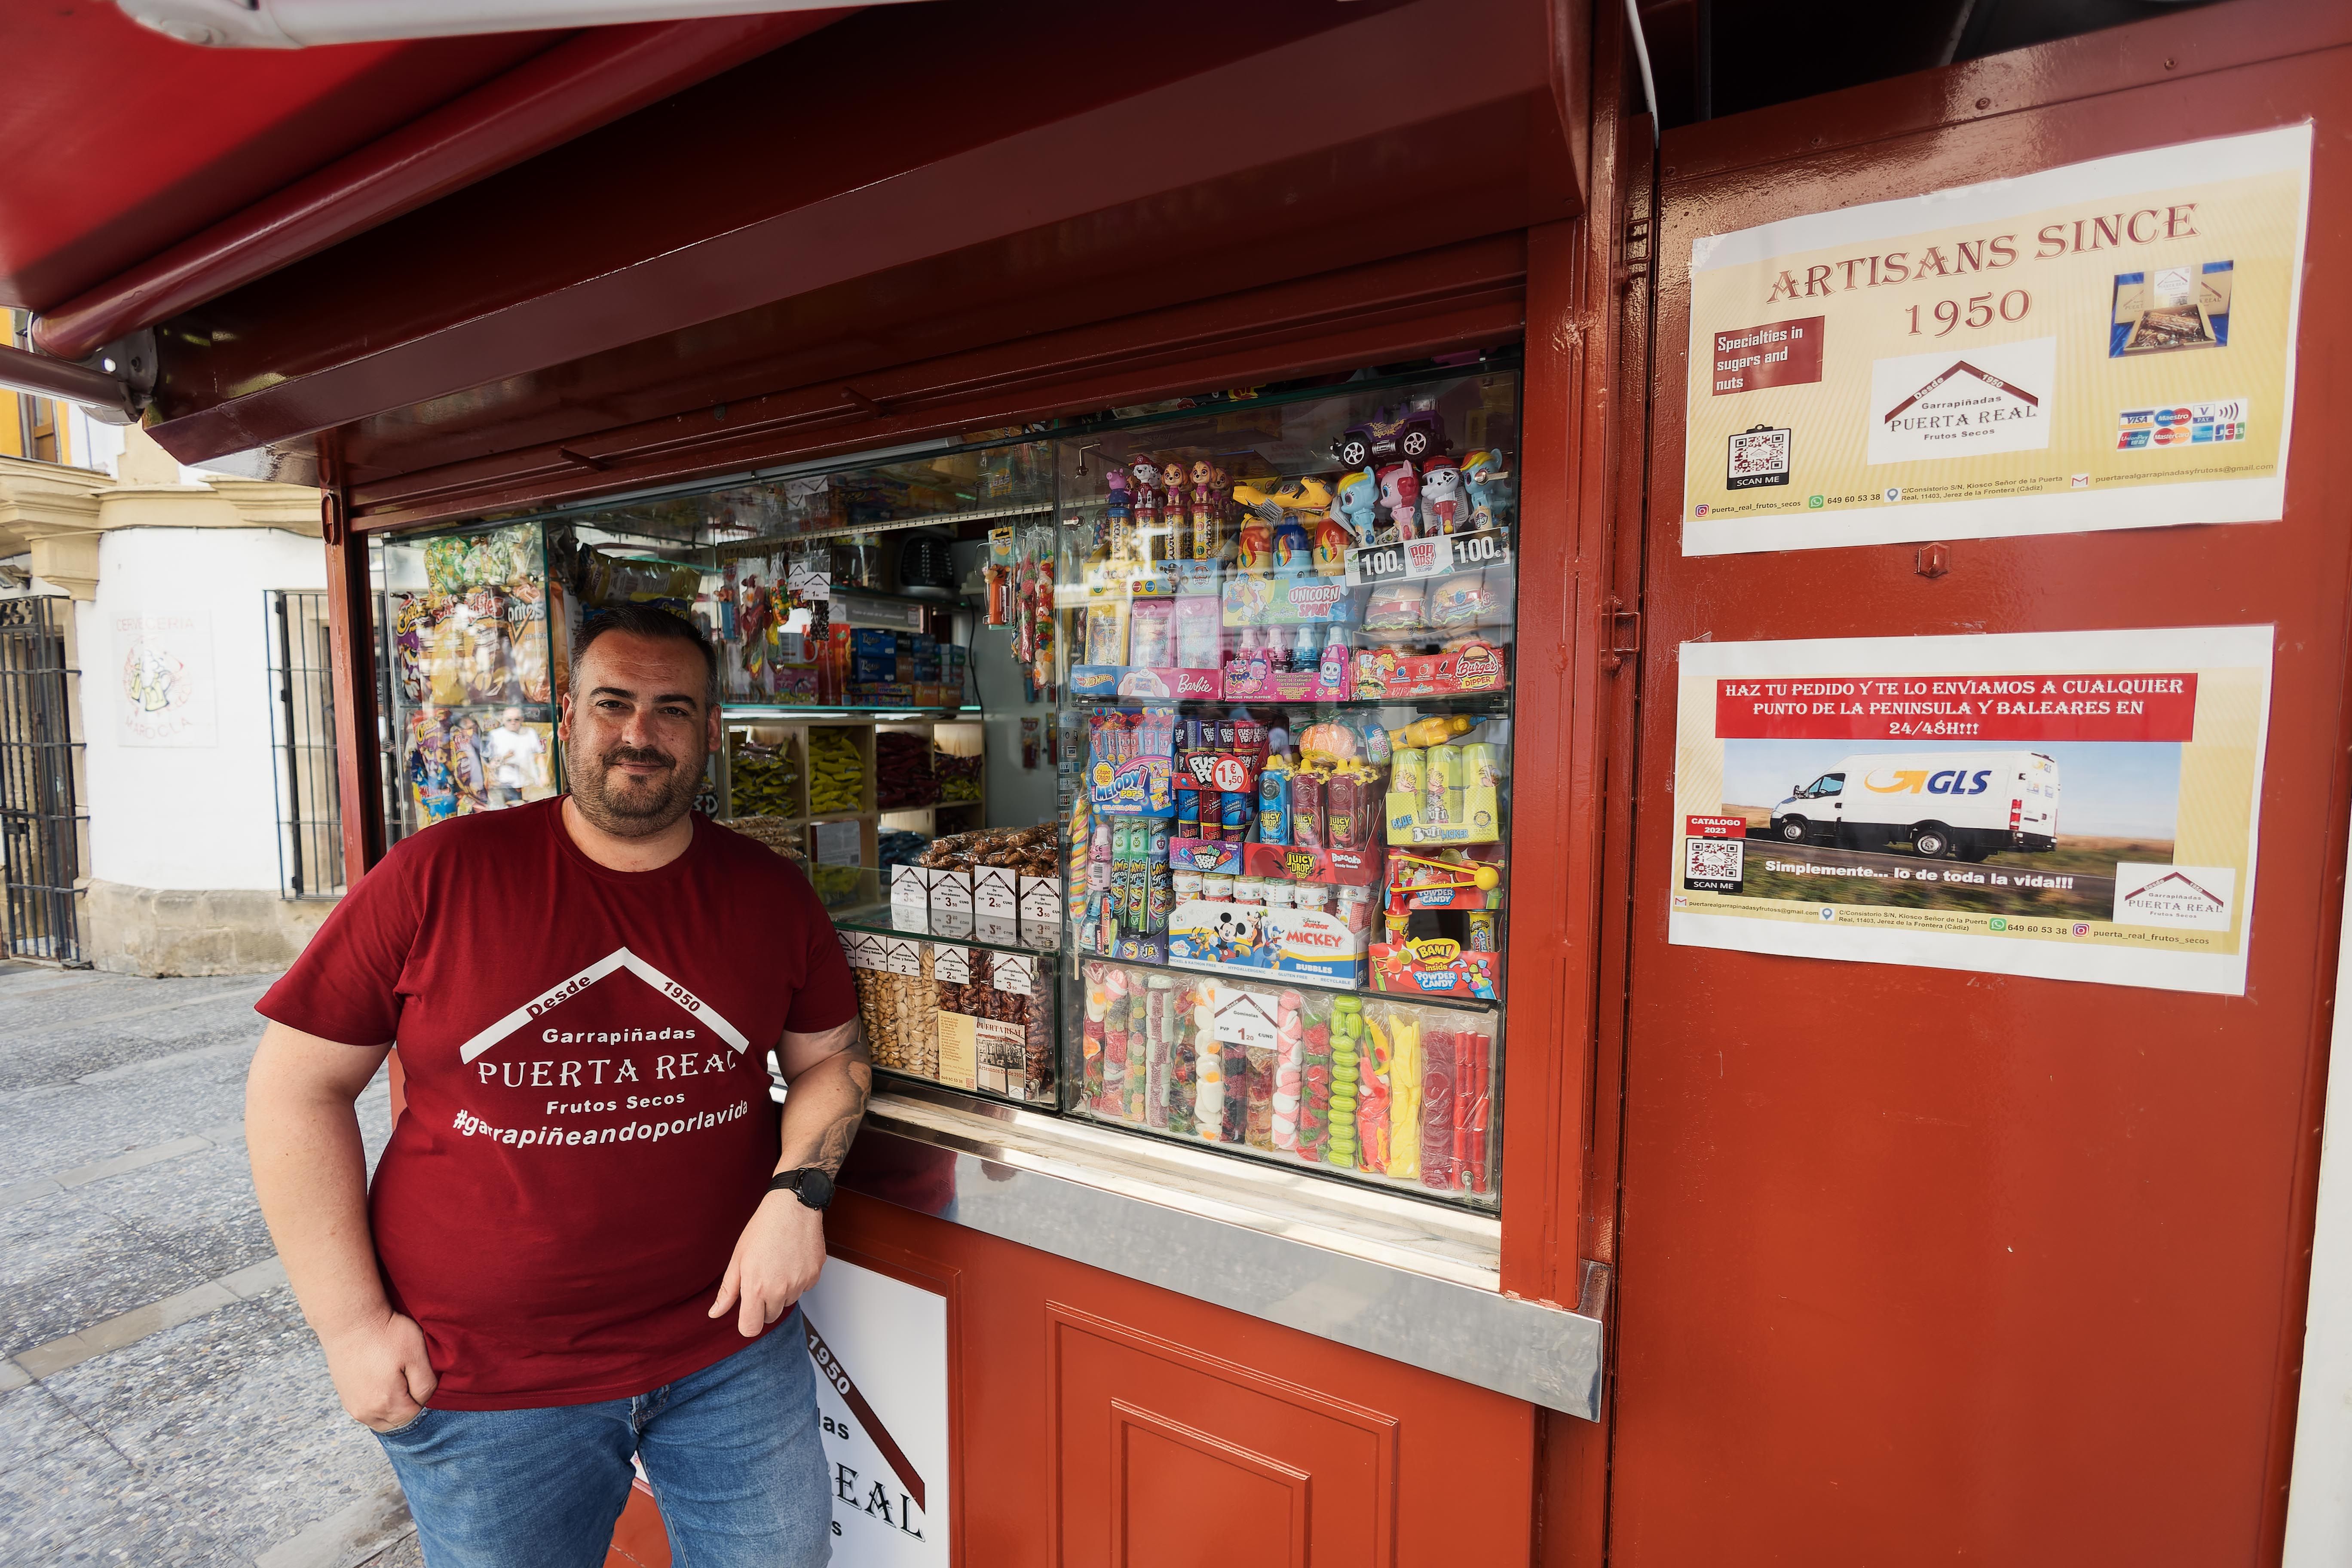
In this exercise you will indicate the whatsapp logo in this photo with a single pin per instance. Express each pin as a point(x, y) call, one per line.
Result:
point(1999, 924)
point(1814, 502)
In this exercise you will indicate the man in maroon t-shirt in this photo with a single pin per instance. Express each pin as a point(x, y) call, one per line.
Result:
point(589, 1205)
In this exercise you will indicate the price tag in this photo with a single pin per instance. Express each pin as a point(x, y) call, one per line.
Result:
point(910, 887)
point(951, 892)
point(951, 965)
point(1435, 556)
point(858, 948)
point(1244, 1017)
point(1231, 774)
point(1375, 563)
point(1041, 900)
point(1015, 976)
point(995, 891)
point(815, 587)
point(1487, 547)
point(899, 955)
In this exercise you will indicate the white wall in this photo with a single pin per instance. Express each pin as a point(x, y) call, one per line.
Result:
point(2319, 1495)
point(194, 817)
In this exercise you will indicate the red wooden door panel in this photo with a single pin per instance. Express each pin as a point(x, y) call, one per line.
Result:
point(1164, 1472)
point(1920, 1265)
point(1167, 1456)
point(1097, 1421)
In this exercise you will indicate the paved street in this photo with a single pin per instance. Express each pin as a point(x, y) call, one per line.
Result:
point(162, 1401)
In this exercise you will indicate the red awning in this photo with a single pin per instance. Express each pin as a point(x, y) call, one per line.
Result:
point(209, 167)
point(119, 142)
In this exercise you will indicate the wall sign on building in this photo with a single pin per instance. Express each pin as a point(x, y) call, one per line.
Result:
point(2076, 806)
point(880, 1349)
point(2109, 344)
point(163, 679)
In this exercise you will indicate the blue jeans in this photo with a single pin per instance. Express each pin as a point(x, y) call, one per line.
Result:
point(731, 1451)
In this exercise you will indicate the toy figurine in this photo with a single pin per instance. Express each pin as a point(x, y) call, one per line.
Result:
point(1441, 498)
point(1306, 505)
point(1255, 544)
point(1208, 536)
point(1331, 541)
point(1356, 503)
point(1291, 544)
point(1118, 516)
point(1146, 475)
point(1401, 493)
point(1484, 483)
point(1171, 510)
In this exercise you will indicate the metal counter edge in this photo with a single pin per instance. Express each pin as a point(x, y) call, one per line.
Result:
point(1546, 1355)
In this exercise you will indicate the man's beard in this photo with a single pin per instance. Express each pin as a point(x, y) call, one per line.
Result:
point(634, 808)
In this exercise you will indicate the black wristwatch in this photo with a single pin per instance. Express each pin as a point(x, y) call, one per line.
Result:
point(809, 1185)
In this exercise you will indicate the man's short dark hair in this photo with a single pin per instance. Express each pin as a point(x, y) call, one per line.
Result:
point(649, 621)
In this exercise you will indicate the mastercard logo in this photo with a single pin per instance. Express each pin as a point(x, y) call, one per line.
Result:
point(2167, 438)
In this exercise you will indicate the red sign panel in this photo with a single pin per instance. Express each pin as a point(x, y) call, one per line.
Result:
point(1958, 708)
point(1778, 353)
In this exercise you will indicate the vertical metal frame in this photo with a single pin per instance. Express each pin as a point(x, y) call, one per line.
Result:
point(351, 629)
point(302, 729)
point(40, 813)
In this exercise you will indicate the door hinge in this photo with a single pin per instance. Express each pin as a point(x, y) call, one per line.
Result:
point(1624, 634)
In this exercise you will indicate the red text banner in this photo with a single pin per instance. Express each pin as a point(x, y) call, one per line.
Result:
point(2078, 707)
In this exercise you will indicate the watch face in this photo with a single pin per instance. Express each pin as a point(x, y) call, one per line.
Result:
point(815, 1188)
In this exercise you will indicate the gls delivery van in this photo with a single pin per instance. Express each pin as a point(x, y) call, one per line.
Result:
point(1965, 805)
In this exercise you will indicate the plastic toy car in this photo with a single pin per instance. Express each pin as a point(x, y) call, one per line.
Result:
point(1413, 434)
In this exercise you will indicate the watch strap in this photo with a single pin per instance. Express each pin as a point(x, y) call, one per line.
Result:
point(795, 1182)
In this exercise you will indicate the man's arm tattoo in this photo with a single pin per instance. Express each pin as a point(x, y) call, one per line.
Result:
point(858, 1067)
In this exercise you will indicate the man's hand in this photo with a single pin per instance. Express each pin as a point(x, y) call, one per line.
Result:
point(381, 1372)
point(776, 1259)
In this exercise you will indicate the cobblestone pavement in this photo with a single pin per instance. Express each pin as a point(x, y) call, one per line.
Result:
point(161, 1401)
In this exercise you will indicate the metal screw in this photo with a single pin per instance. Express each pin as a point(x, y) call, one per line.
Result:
point(1984, 103)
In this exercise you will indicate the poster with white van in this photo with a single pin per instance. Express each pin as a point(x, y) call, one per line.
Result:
point(2074, 806)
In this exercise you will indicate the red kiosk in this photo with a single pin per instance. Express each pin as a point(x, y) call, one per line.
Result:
point(1766, 1252)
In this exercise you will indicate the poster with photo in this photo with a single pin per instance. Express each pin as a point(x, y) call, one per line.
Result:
point(2075, 805)
point(2109, 344)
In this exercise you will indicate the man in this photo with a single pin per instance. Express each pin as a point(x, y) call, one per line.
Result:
point(513, 754)
point(588, 1206)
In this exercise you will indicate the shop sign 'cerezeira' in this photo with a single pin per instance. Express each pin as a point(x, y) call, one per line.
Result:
point(2109, 344)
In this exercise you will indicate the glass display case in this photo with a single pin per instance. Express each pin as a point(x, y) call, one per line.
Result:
point(1287, 640)
point(474, 636)
point(1155, 768)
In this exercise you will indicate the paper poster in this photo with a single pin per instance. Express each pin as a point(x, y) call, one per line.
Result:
point(2109, 344)
point(880, 1349)
point(163, 679)
point(2076, 806)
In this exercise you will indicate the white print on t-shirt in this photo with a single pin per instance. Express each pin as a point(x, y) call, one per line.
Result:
point(613, 963)
point(473, 1126)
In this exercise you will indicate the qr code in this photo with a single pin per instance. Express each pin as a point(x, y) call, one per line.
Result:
point(1714, 865)
point(1758, 456)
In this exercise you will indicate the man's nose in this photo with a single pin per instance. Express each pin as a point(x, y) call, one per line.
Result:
point(638, 728)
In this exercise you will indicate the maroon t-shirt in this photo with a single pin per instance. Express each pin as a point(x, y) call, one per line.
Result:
point(588, 1124)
